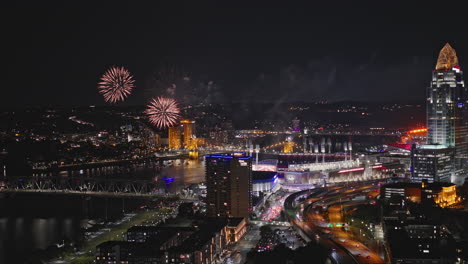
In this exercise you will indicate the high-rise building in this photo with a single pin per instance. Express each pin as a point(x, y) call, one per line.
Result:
point(446, 99)
point(188, 133)
point(447, 122)
point(296, 125)
point(288, 146)
point(433, 163)
point(229, 185)
point(174, 138)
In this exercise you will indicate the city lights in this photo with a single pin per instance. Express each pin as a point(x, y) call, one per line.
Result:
point(310, 133)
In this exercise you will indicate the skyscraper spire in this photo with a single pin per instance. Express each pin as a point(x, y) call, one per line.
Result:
point(447, 58)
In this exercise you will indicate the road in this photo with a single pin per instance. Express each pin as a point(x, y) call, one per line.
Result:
point(244, 245)
point(275, 208)
point(351, 250)
point(337, 254)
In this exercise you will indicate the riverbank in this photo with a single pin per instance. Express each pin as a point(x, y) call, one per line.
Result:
point(85, 255)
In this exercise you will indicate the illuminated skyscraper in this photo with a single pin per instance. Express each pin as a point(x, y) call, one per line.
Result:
point(441, 159)
point(229, 185)
point(188, 130)
point(446, 103)
point(174, 138)
point(288, 146)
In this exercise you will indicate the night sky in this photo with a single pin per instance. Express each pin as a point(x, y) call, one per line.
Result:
point(372, 51)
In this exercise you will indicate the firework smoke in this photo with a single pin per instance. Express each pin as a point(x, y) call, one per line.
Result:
point(170, 81)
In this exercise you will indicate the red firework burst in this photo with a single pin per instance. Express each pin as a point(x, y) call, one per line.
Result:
point(116, 84)
point(163, 112)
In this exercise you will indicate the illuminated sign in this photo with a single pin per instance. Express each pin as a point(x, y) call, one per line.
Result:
point(421, 130)
point(351, 170)
point(264, 167)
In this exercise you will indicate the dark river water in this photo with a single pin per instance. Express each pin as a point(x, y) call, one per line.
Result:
point(29, 222)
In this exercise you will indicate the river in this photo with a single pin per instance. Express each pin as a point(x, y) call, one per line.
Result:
point(29, 222)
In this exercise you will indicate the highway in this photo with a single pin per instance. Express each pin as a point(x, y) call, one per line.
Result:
point(274, 209)
point(338, 254)
point(325, 208)
point(361, 252)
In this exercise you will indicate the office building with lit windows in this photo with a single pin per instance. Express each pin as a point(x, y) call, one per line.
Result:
point(447, 143)
point(229, 185)
point(175, 138)
point(442, 194)
point(198, 244)
point(447, 118)
point(183, 136)
point(188, 133)
point(446, 98)
point(433, 163)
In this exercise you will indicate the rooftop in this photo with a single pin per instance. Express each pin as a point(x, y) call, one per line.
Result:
point(401, 184)
point(426, 146)
point(263, 175)
point(447, 58)
point(433, 185)
point(234, 221)
point(442, 248)
point(239, 155)
point(125, 244)
point(143, 228)
point(201, 237)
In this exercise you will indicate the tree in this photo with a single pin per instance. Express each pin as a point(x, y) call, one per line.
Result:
point(265, 230)
point(311, 253)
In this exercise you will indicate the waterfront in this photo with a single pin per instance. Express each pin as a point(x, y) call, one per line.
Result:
point(44, 220)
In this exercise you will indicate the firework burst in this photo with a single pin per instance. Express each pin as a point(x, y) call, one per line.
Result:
point(163, 112)
point(116, 84)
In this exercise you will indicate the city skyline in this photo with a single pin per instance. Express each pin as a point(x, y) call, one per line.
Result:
point(222, 133)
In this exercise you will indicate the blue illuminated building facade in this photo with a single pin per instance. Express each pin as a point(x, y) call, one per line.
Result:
point(264, 181)
point(229, 185)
